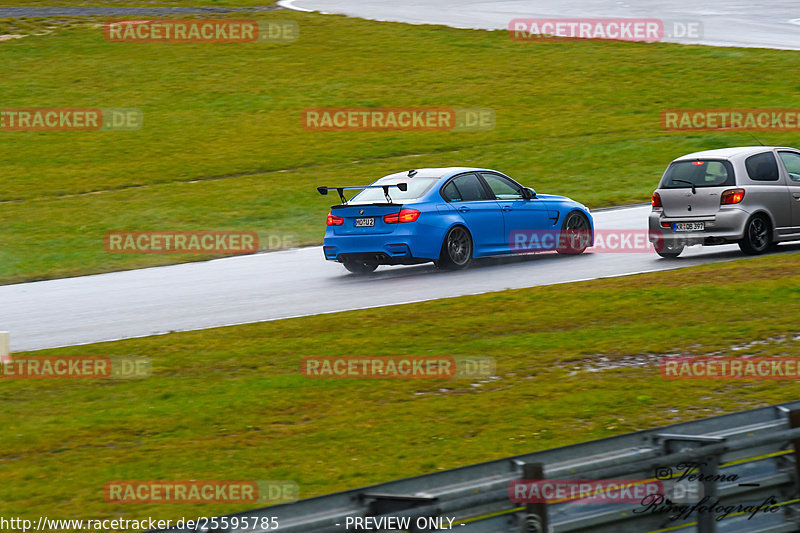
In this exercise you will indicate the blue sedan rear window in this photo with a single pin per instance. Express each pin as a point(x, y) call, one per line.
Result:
point(417, 187)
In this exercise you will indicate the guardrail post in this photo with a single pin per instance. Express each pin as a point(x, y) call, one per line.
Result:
point(5, 351)
point(794, 422)
point(535, 513)
point(706, 522)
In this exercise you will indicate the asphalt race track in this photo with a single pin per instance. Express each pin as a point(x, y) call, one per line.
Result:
point(290, 283)
point(724, 23)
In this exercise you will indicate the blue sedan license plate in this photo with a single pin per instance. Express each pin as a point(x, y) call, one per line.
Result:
point(689, 226)
point(365, 222)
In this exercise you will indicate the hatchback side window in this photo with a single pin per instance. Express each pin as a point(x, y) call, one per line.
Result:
point(465, 188)
point(791, 161)
point(762, 167)
point(502, 188)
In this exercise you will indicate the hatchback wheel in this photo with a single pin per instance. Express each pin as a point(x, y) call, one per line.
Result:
point(669, 248)
point(756, 236)
point(456, 249)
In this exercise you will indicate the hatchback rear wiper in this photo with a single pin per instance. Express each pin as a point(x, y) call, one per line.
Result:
point(694, 191)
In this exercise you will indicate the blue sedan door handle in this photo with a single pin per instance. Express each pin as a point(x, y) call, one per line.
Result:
point(463, 209)
point(506, 208)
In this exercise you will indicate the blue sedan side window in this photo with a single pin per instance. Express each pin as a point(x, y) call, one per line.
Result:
point(502, 188)
point(468, 187)
point(450, 193)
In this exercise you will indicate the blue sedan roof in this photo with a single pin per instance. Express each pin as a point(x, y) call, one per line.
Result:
point(436, 172)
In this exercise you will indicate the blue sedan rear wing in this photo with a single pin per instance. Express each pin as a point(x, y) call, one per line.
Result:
point(324, 190)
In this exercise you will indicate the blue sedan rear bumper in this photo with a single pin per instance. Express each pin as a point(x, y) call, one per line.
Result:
point(401, 247)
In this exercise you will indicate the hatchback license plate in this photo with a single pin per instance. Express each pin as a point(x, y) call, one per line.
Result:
point(365, 222)
point(689, 226)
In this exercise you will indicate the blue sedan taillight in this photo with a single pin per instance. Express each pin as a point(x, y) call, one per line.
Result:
point(405, 215)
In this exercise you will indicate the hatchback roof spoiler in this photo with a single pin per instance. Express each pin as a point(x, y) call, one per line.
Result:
point(324, 190)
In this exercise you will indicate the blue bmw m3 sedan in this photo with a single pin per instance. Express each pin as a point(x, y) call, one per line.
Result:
point(449, 216)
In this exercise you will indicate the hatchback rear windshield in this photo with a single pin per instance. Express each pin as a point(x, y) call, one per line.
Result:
point(417, 187)
point(700, 173)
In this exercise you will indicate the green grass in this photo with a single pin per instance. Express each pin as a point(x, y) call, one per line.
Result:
point(222, 145)
point(230, 403)
point(132, 3)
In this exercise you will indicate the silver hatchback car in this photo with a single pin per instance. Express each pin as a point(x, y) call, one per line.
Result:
point(747, 195)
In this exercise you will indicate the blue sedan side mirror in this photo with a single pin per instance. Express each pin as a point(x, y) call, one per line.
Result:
point(528, 193)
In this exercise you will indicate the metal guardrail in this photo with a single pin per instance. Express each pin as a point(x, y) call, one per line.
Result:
point(729, 465)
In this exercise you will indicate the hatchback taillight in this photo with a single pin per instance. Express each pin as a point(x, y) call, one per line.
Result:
point(731, 196)
point(333, 220)
point(655, 201)
point(405, 215)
